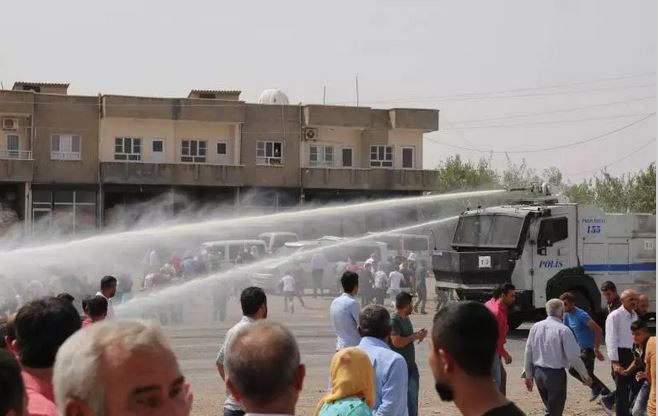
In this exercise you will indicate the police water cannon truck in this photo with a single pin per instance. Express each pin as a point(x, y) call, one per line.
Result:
point(545, 248)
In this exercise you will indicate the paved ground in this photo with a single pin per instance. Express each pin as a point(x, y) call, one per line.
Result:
point(196, 344)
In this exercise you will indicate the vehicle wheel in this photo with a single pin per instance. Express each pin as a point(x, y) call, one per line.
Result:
point(514, 321)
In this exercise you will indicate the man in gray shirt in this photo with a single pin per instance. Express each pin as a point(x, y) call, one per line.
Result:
point(254, 308)
point(550, 350)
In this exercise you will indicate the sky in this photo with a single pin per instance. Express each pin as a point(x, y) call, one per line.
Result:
point(564, 83)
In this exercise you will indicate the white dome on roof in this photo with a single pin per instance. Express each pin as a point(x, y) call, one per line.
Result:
point(273, 96)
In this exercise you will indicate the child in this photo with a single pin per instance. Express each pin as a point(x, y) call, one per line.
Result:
point(95, 308)
point(640, 337)
point(288, 283)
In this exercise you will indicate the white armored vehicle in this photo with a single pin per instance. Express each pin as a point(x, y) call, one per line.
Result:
point(546, 248)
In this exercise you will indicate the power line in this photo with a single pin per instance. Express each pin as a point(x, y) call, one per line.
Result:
point(506, 91)
point(617, 160)
point(532, 123)
point(545, 149)
point(565, 110)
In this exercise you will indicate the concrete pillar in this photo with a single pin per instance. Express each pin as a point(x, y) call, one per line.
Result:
point(27, 209)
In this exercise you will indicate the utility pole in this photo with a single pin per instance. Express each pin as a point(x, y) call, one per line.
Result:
point(324, 95)
point(357, 90)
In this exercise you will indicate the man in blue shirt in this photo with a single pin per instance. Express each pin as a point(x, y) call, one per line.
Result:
point(589, 336)
point(391, 376)
point(344, 312)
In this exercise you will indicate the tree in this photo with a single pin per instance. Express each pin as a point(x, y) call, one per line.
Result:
point(458, 175)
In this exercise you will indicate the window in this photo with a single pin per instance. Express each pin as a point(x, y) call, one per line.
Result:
point(193, 151)
point(13, 145)
point(127, 148)
point(347, 157)
point(551, 231)
point(269, 153)
point(64, 147)
point(158, 145)
point(408, 157)
point(321, 156)
point(381, 156)
point(495, 231)
point(221, 148)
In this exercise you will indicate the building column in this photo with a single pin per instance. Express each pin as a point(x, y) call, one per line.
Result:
point(238, 145)
point(27, 210)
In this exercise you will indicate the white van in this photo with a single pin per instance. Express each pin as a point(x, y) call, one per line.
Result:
point(222, 255)
point(275, 240)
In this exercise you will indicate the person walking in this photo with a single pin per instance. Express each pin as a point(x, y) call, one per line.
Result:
point(421, 287)
point(589, 336)
point(609, 292)
point(254, 308)
point(318, 263)
point(395, 281)
point(390, 368)
point(289, 291)
point(352, 385)
point(499, 309)
point(108, 290)
point(619, 344)
point(297, 272)
point(461, 360)
point(402, 341)
point(344, 312)
point(366, 286)
point(380, 286)
point(550, 349)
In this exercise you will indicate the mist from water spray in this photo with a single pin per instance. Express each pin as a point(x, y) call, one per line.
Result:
point(176, 293)
point(109, 253)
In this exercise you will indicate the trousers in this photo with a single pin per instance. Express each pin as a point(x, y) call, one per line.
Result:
point(552, 386)
point(589, 358)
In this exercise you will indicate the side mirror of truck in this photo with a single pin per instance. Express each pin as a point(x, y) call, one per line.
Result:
point(541, 251)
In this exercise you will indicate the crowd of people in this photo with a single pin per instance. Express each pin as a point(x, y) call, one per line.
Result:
point(56, 362)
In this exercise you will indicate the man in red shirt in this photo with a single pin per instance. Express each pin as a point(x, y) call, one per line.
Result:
point(499, 308)
point(42, 326)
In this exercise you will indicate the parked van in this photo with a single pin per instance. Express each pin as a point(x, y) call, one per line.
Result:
point(222, 255)
point(275, 240)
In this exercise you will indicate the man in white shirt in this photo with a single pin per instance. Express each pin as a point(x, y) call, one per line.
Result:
point(619, 344)
point(344, 312)
point(108, 290)
point(394, 289)
point(550, 350)
point(380, 286)
point(254, 308)
point(288, 288)
point(264, 369)
point(318, 263)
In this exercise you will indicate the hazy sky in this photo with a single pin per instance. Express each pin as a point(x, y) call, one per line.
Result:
point(590, 61)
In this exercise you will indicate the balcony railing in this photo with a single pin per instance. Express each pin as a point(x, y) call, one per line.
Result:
point(64, 155)
point(16, 154)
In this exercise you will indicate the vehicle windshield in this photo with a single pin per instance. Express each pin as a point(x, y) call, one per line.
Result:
point(499, 231)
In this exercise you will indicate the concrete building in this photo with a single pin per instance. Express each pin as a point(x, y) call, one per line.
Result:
point(69, 159)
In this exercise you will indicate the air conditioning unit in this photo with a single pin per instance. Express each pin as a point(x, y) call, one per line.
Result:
point(9, 123)
point(310, 133)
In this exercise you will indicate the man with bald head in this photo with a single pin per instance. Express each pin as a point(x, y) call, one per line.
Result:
point(619, 343)
point(263, 369)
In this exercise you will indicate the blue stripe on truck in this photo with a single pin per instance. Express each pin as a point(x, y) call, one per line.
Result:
point(635, 267)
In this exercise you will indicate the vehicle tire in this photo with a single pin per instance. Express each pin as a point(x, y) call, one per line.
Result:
point(514, 321)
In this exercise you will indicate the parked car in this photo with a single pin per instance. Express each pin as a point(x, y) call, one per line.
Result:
point(275, 240)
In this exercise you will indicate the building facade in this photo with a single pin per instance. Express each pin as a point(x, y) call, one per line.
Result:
point(68, 159)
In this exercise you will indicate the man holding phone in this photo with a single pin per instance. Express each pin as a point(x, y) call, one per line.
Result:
point(402, 342)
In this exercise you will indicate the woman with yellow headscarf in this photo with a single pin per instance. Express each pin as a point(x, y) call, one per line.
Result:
point(352, 385)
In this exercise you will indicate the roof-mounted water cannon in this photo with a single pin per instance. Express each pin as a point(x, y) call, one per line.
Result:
point(542, 189)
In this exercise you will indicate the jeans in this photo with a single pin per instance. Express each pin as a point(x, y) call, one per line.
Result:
point(412, 391)
point(421, 290)
point(552, 386)
point(496, 375)
point(380, 295)
point(588, 357)
point(641, 400)
point(289, 297)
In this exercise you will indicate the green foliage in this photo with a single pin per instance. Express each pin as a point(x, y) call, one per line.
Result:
point(627, 193)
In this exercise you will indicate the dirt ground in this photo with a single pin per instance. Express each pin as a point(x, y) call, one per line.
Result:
point(197, 341)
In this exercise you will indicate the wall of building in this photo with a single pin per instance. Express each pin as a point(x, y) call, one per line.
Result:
point(65, 114)
point(406, 138)
point(172, 131)
point(338, 138)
